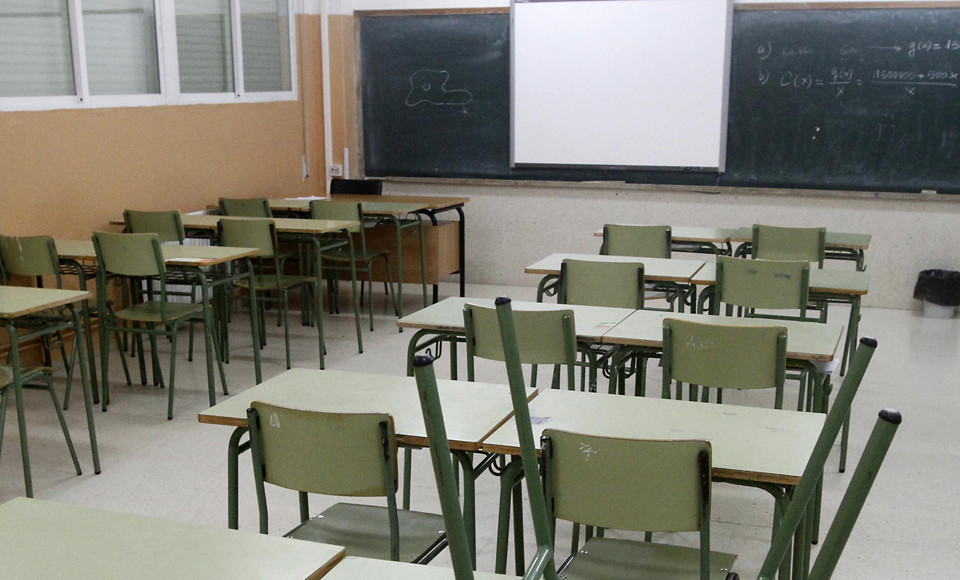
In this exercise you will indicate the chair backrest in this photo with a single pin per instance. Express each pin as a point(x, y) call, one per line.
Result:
point(356, 186)
point(129, 254)
point(724, 356)
point(779, 243)
point(168, 225)
point(309, 450)
point(627, 484)
point(763, 284)
point(249, 233)
point(257, 207)
point(543, 336)
point(637, 241)
point(337, 210)
point(859, 485)
point(29, 256)
point(593, 283)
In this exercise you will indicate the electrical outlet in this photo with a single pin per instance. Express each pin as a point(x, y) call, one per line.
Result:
point(336, 171)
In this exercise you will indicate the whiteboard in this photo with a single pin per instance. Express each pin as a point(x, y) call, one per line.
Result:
point(634, 83)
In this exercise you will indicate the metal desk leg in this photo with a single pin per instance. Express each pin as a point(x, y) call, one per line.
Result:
point(508, 479)
point(18, 399)
point(87, 389)
point(254, 322)
point(234, 449)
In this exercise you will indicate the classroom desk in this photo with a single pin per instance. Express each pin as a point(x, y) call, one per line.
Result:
point(17, 302)
point(43, 540)
point(471, 410)
point(443, 321)
point(835, 286)
point(390, 211)
point(431, 206)
point(194, 259)
point(677, 273)
point(840, 245)
point(764, 448)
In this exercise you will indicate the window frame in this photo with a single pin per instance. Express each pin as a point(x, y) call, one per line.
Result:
point(168, 68)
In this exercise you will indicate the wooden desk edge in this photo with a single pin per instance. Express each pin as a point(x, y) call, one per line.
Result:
point(325, 569)
point(84, 295)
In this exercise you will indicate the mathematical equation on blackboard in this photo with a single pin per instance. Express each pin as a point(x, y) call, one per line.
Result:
point(906, 67)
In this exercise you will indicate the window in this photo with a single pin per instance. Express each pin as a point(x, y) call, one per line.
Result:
point(72, 53)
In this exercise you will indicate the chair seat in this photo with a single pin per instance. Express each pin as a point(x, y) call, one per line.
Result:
point(270, 282)
point(342, 254)
point(607, 558)
point(150, 311)
point(365, 531)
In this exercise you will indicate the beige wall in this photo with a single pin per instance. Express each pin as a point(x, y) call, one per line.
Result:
point(70, 172)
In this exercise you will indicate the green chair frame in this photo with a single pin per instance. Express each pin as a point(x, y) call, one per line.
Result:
point(723, 356)
point(254, 207)
point(636, 241)
point(135, 258)
point(762, 284)
point(542, 565)
point(262, 234)
point(546, 337)
point(8, 385)
point(345, 454)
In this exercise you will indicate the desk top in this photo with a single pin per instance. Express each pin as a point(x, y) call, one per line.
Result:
point(374, 205)
point(825, 281)
point(284, 225)
point(173, 254)
point(426, 202)
point(657, 269)
point(471, 410)
point(353, 568)
point(17, 301)
point(852, 241)
point(44, 540)
point(749, 443)
point(812, 341)
point(591, 322)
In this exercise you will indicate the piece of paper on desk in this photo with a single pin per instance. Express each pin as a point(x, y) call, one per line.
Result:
point(190, 260)
point(304, 198)
point(827, 368)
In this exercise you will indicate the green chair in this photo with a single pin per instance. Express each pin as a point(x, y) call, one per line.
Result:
point(255, 207)
point(542, 565)
point(752, 285)
point(611, 284)
point(346, 257)
point(546, 337)
point(262, 234)
point(591, 283)
point(637, 241)
point(133, 258)
point(639, 485)
point(346, 454)
point(643, 242)
point(168, 225)
point(723, 356)
point(779, 243)
point(35, 257)
point(8, 386)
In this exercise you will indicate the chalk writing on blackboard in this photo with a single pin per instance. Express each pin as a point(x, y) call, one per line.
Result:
point(788, 68)
point(430, 87)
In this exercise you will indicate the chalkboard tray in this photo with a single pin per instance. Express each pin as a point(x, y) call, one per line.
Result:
point(863, 99)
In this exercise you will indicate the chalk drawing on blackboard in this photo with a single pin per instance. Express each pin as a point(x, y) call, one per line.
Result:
point(430, 87)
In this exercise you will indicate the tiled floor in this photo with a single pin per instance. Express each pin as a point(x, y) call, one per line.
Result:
point(177, 469)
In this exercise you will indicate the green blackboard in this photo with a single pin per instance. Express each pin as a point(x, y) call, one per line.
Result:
point(819, 99)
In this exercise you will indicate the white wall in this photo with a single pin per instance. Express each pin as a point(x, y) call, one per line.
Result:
point(511, 225)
